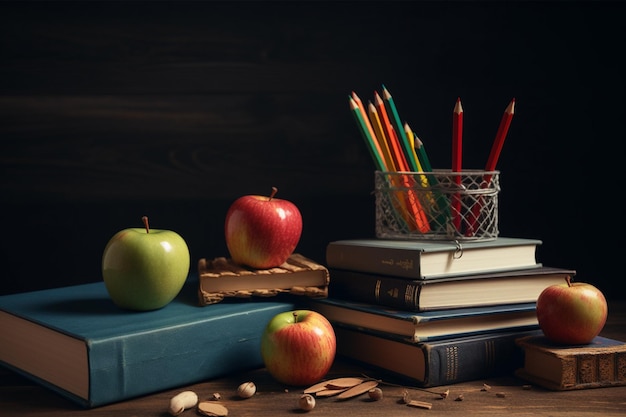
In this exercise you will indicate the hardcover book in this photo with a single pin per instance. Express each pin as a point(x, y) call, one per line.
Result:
point(601, 363)
point(418, 259)
point(222, 278)
point(436, 363)
point(75, 341)
point(428, 325)
point(474, 290)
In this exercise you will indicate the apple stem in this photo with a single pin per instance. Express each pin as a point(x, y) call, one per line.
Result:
point(144, 219)
point(274, 191)
point(295, 316)
point(568, 279)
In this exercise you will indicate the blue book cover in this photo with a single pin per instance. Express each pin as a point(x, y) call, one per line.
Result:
point(428, 325)
point(75, 341)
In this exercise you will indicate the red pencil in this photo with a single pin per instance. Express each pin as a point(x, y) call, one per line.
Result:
point(457, 156)
point(494, 154)
point(503, 129)
point(457, 136)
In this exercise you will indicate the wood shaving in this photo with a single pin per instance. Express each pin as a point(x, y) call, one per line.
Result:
point(332, 384)
point(362, 388)
point(343, 383)
point(419, 404)
point(330, 392)
point(211, 408)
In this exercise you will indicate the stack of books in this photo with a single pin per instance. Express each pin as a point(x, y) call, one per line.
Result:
point(436, 312)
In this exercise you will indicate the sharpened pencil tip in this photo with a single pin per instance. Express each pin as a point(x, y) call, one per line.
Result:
point(511, 107)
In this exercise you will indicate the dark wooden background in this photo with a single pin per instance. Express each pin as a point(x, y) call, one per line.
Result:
point(113, 110)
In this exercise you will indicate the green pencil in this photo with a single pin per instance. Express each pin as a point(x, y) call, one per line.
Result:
point(421, 152)
point(371, 143)
point(395, 119)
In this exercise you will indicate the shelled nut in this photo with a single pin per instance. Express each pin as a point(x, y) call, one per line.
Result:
point(246, 390)
point(306, 402)
point(182, 401)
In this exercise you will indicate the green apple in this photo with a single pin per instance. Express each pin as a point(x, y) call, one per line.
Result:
point(144, 269)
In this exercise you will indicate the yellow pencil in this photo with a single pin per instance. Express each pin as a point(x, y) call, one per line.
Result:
point(411, 139)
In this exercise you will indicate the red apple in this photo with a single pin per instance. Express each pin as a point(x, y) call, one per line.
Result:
point(298, 347)
point(572, 313)
point(261, 231)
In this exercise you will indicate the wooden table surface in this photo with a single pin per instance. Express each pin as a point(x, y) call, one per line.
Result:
point(20, 397)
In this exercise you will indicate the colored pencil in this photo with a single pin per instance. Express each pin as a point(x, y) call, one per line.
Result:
point(421, 219)
point(380, 136)
point(423, 156)
point(457, 156)
point(411, 140)
point(423, 178)
point(443, 205)
point(420, 222)
point(401, 204)
point(372, 145)
point(503, 129)
point(394, 118)
point(494, 154)
point(398, 155)
point(366, 119)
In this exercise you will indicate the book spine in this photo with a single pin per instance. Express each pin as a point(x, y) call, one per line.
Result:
point(386, 261)
point(594, 370)
point(385, 291)
point(471, 359)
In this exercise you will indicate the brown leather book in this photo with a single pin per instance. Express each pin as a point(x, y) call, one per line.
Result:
point(601, 363)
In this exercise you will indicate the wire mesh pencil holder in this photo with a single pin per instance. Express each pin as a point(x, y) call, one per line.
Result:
point(438, 205)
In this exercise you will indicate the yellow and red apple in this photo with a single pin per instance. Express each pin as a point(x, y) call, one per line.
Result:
point(571, 313)
point(262, 231)
point(143, 268)
point(298, 347)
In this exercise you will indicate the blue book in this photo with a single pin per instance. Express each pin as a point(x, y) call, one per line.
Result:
point(428, 325)
point(75, 341)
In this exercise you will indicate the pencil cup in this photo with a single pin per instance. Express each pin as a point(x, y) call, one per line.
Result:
point(438, 205)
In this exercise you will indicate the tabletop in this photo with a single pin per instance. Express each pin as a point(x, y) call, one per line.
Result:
point(490, 397)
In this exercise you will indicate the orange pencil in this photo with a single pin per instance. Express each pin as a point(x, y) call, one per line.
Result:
point(379, 134)
point(421, 219)
point(417, 212)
